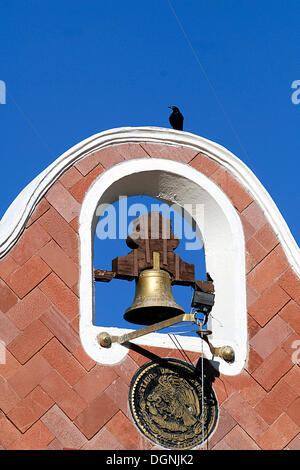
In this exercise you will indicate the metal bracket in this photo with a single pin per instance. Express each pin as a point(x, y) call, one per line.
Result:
point(225, 352)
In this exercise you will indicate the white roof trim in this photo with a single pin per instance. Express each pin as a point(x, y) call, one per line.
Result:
point(15, 218)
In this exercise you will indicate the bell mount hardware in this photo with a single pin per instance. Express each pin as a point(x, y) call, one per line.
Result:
point(155, 267)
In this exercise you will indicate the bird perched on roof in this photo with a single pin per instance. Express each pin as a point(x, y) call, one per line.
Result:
point(176, 118)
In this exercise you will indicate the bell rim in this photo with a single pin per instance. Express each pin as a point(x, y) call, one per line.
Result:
point(141, 316)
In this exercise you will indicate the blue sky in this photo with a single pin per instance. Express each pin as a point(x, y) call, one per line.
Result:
point(117, 295)
point(75, 68)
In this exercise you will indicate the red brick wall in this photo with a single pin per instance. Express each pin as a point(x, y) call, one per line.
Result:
point(52, 396)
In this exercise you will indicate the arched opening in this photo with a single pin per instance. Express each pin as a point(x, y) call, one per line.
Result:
point(223, 239)
point(114, 225)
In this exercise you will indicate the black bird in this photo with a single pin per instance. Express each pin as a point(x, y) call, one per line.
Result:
point(176, 118)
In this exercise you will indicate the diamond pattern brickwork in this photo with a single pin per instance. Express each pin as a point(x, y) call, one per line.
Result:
point(53, 396)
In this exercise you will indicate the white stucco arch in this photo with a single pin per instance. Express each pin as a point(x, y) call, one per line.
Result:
point(224, 246)
point(14, 220)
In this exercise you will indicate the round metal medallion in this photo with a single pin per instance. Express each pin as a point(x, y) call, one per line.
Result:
point(166, 403)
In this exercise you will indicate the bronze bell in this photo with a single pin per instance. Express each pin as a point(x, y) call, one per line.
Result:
point(153, 301)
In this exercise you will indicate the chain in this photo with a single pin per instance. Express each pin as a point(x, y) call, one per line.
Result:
point(202, 388)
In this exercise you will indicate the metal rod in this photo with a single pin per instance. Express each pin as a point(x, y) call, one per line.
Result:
point(151, 328)
point(182, 332)
point(179, 326)
point(225, 352)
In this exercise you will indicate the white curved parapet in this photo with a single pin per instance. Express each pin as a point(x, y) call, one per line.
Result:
point(16, 216)
point(225, 255)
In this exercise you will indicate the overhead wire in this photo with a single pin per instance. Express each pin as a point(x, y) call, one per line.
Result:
point(242, 148)
point(212, 88)
point(202, 393)
point(180, 348)
point(29, 122)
